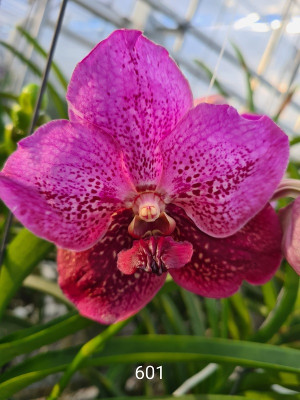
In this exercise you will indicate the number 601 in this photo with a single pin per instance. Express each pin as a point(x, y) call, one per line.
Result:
point(149, 372)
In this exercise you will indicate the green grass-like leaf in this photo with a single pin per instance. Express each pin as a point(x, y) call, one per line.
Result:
point(23, 254)
point(241, 59)
point(209, 74)
point(156, 349)
point(58, 102)
point(38, 48)
point(27, 340)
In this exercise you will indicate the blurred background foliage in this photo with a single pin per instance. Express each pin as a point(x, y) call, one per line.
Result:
point(243, 347)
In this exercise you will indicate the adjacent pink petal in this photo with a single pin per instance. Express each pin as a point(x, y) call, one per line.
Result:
point(155, 255)
point(64, 182)
point(91, 280)
point(290, 220)
point(222, 168)
point(218, 266)
point(132, 89)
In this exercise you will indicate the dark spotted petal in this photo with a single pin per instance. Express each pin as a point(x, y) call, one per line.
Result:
point(91, 280)
point(222, 168)
point(64, 182)
point(131, 88)
point(219, 266)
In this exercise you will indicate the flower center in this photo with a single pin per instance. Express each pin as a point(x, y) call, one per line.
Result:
point(148, 206)
point(150, 217)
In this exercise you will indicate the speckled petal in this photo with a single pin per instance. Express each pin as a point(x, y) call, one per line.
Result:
point(222, 168)
point(132, 89)
point(91, 280)
point(219, 266)
point(290, 220)
point(64, 182)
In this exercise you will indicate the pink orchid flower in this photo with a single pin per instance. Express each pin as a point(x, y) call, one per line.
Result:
point(140, 183)
point(290, 220)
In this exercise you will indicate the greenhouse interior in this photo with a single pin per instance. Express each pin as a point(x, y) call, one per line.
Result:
point(149, 186)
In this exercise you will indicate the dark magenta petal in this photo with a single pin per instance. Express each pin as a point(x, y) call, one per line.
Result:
point(91, 280)
point(222, 168)
point(219, 266)
point(155, 255)
point(64, 182)
point(132, 89)
point(290, 220)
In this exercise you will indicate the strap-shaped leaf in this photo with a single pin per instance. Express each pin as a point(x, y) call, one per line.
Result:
point(22, 255)
point(156, 349)
point(33, 338)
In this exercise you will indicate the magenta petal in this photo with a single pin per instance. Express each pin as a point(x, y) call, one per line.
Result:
point(290, 220)
point(91, 280)
point(64, 182)
point(132, 89)
point(219, 266)
point(222, 168)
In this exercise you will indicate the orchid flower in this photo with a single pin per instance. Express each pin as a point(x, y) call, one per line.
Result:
point(290, 221)
point(140, 183)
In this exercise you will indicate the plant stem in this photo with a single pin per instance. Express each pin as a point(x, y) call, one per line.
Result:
point(95, 344)
point(282, 310)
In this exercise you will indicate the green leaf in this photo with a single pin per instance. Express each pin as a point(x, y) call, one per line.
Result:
point(284, 306)
point(146, 318)
point(33, 338)
point(158, 349)
point(188, 397)
point(59, 103)
point(242, 316)
point(295, 140)
point(224, 318)
point(14, 385)
point(290, 335)
point(89, 348)
point(170, 348)
point(293, 171)
point(8, 96)
point(251, 395)
point(173, 314)
point(263, 380)
point(270, 295)
point(44, 53)
point(212, 308)
point(209, 74)
point(45, 286)
point(22, 255)
point(194, 310)
point(240, 57)
point(11, 323)
point(285, 102)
